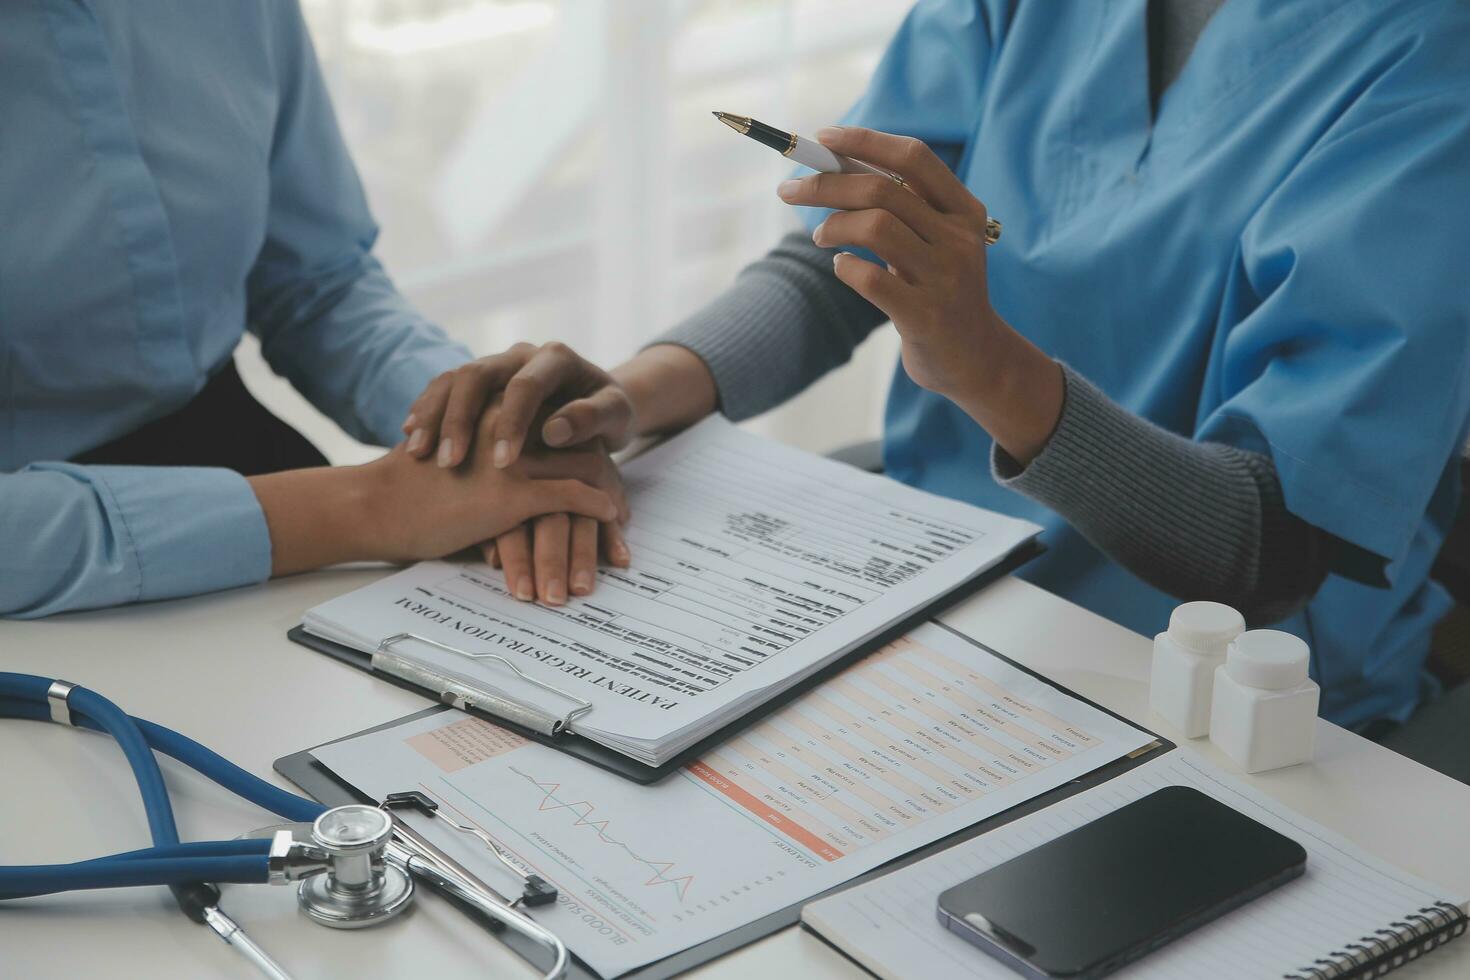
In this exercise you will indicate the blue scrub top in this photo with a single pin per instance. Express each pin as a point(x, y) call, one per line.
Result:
point(1277, 261)
point(171, 173)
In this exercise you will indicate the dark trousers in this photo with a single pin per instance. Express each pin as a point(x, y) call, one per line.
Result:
point(223, 426)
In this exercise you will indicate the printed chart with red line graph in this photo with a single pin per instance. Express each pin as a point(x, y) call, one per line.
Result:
point(583, 811)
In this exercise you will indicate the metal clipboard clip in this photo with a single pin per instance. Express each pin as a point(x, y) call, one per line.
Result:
point(458, 694)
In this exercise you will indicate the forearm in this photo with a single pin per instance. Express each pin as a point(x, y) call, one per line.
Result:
point(317, 517)
point(82, 537)
point(328, 316)
point(350, 343)
point(398, 508)
point(783, 323)
point(1015, 392)
point(1195, 520)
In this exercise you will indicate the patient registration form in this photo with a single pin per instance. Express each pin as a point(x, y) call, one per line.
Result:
point(754, 564)
point(926, 736)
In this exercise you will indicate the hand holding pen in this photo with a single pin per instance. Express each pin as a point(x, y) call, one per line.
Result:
point(929, 229)
point(892, 196)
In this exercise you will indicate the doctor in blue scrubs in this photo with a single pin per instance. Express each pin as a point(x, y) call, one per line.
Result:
point(1220, 350)
point(171, 173)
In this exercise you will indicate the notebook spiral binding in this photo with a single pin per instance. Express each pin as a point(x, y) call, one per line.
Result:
point(1388, 949)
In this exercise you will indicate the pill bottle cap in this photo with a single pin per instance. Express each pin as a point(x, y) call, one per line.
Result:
point(1268, 659)
point(1205, 627)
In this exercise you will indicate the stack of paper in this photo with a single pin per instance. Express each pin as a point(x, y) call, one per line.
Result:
point(754, 566)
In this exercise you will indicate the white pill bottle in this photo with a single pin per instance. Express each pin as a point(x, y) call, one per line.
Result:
point(1185, 658)
point(1264, 711)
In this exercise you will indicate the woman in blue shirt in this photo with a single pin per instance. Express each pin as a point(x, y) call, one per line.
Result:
point(1221, 349)
point(169, 176)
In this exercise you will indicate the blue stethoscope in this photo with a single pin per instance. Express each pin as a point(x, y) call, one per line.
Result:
point(356, 864)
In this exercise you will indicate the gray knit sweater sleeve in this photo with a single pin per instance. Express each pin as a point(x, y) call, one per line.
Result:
point(1196, 520)
point(785, 322)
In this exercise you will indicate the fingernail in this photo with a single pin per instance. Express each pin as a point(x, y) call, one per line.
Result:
point(556, 593)
point(620, 555)
point(829, 133)
point(416, 441)
point(446, 451)
point(501, 456)
point(557, 431)
point(525, 591)
point(787, 189)
point(817, 233)
point(409, 422)
point(581, 583)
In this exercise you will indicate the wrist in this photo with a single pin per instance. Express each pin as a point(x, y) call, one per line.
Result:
point(1015, 392)
point(669, 386)
point(977, 365)
point(318, 517)
point(370, 515)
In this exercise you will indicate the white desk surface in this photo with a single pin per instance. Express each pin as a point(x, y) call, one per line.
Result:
point(220, 669)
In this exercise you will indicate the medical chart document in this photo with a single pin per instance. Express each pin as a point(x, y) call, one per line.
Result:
point(913, 742)
point(754, 565)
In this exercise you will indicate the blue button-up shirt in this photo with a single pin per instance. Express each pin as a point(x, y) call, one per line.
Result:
point(1276, 261)
point(171, 172)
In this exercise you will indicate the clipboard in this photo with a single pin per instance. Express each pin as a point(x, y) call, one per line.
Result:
point(317, 781)
point(521, 718)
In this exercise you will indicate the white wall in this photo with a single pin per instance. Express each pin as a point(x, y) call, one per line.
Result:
point(549, 168)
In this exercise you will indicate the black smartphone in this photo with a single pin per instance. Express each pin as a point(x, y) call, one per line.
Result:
point(1103, 895)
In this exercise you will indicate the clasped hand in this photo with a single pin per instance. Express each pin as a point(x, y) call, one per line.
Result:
point(528, 403)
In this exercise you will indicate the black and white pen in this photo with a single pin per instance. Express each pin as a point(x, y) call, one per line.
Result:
point(810, 153)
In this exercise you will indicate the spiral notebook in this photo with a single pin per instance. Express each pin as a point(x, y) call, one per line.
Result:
point(1349, 916)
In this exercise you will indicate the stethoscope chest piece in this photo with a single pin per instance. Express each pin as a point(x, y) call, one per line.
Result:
point(360, 887)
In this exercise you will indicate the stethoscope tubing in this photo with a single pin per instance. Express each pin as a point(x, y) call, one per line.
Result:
point(129, 737)
point(208, 763)
point(168, 861)
point(45, 879)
